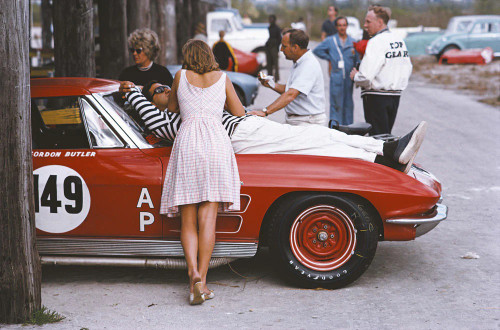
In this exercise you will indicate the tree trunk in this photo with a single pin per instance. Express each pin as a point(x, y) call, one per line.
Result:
point(74, 53)
point(113, 57)
point(46, 24)
point(138, 15)
point(163, 23)
point(20, 272)
point(184, 19)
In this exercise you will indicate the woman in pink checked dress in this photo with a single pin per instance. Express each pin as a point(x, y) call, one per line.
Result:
point(202, 175)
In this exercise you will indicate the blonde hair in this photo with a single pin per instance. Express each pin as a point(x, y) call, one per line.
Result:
point(147, 40)
point(198, 57)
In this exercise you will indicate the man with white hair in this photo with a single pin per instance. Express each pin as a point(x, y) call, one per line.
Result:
point(384, 71)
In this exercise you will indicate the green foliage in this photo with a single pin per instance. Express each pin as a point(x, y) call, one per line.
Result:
point(314, 14)
point(487, 7)
point(44, 316)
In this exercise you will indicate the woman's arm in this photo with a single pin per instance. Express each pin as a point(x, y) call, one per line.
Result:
point(233, 103)
point(173, 103)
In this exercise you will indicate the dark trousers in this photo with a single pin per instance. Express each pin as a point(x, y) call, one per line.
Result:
point(380, 112)
point(272, 54)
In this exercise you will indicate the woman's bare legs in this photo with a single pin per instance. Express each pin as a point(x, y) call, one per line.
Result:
point(189, 240)
point(207, 215)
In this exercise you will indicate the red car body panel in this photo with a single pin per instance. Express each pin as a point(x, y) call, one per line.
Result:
point(125, 184)
point(47, 87)
point(247, 62)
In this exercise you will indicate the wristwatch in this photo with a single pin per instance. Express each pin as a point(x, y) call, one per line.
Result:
point(265, 111)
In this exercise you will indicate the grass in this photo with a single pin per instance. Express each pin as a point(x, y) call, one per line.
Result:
point(494, 101)
point(44, 316)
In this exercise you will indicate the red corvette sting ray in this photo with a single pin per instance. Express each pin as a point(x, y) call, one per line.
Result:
point(98, 178)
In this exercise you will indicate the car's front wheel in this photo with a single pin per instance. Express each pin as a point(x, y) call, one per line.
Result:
point(447, 48)
point(322, 240)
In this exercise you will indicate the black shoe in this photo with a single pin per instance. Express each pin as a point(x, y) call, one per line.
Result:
point(389, 162)
point(405, 149)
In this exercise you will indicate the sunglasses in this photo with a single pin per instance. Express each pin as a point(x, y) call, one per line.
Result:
point(159, 89)
point(137, 50)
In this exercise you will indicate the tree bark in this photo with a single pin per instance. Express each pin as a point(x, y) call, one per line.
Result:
point(113, 56)
point(138, 15)
point(20, 272)
point(74, 53)
point(46, 24)
point(163, 23)
point(184, 23)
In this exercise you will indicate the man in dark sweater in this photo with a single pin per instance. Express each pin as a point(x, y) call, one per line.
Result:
point(272, 48)
point(329, 28)
point(223, 53)
point(145, 47)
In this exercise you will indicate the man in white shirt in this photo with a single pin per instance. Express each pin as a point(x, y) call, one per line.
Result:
point(384, 71)
point(303, 96)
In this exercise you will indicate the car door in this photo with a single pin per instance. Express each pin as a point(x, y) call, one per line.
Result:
point(481, 35)
point(90, 181)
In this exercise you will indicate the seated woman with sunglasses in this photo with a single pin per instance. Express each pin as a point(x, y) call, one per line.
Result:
point(144, 48)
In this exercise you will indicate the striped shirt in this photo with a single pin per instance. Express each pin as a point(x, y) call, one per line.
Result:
point(164, 124)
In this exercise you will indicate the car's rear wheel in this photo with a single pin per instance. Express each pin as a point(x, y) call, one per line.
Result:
point(322, 240)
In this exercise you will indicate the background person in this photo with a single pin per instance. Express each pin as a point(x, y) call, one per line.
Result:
point(200, 32)
point(328, 28)
point(303, 96)
point(202, 174)
point(299, 25)
point(224, 53)
point(339, 51)
point(144, 45)
point(384, 71)
point(256, 135)
point(272, 48)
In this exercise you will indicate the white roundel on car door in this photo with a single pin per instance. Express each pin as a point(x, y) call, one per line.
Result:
point(62, 198)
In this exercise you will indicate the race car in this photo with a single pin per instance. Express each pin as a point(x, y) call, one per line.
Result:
point(98, 177)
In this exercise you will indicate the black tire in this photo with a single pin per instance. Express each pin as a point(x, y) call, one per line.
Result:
point(447, 48)
point(298, 246)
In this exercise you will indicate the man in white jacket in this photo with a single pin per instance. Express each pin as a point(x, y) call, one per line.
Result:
point(384, 71)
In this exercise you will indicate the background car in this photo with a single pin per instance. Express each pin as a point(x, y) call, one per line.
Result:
point(469, 32)
point(245, 85)
point(98, 178)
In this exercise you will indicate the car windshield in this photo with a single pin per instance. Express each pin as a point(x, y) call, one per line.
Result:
point(238, 22)
point(458, 26)
point(125, 111)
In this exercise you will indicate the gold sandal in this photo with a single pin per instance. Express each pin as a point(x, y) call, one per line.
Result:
point(210, 295)
point(197, 297)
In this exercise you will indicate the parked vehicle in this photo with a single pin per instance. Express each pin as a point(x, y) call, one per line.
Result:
point(244, 38)
point(247, 62)
point(354, 28)
point(469, 32)
point(417, 42)
point(246, 86)
point(98, 178)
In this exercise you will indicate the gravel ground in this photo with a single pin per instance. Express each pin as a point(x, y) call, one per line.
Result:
point(481, 82)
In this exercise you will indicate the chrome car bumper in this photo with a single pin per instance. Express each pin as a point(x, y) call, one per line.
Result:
point(431, 50)
point(424, 224)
